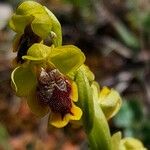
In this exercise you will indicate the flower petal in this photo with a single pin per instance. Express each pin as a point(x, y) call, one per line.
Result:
point(104, 92)
point(76, 113)
point(56, 120)
point(23, 80)
point(67, 58)
point(38, 109)
point(37, 52)
point(130, 143)
point(110, 102)
point(74, 92)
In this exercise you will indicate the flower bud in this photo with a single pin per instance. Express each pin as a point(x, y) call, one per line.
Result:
point(128, 143)
point(131, 144)
point(110, 102)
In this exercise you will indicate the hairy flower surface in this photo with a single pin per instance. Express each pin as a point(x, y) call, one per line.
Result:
point(54, 93)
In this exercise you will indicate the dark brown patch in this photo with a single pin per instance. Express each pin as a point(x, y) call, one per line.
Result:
point(54, 90)
point(26, 40)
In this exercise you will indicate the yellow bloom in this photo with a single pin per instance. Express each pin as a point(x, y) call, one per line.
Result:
point(131, 144)
point(110, 101)
point(128, 143)
point(55, 94)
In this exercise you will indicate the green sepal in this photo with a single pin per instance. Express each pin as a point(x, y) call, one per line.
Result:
point(33, 13)
point(29, 7)
point(19, 22)
point(35, 106)
point(23, 80)
point(37, 52)
point(99, 137)
point(66, 58)
point(41, 25)
point(85, 100)
point(56, 28)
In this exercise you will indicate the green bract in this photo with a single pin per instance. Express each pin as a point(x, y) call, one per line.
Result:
point(89, 74)
point(42, 21)
point(85, 99)
point(99, 136)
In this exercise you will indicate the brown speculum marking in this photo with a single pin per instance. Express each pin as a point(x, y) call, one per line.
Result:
point(26, 40)
point(54, 90)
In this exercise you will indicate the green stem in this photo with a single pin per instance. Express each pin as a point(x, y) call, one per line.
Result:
point(94, 121)
point(99, 137)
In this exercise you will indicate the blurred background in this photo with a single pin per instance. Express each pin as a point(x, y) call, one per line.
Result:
point(115, 37)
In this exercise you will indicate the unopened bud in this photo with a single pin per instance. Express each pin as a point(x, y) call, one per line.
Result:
point(110, 102)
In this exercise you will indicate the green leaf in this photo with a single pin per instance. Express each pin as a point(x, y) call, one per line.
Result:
point(37, 52)
point(85, 99)
point(67, 58)
point(126, 35)
point(23, 80)
point(125, 116)
point(79, 3)
point(129, 115)
point(4, 138)
point(146, 22)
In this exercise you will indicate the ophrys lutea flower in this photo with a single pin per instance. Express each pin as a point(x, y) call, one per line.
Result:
point(33, 23)
point(128, 143)
point(44, 80)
